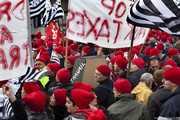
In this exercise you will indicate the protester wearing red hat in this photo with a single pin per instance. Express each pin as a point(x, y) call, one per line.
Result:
point(136, 70)
point(70, 64)
point(62, 79)
point(74, 48)
point(121, 53)
point(86, 51)
point(104, 89)
point(68, 51)
point(57, 103)
point(171, 82)
point(45, 55)
point(40, 63)
point(77, 102)
point(172, 52)
point(97, 115)
point(160, 46)
point(125, 106)
point(120, 66)
point(170, 62)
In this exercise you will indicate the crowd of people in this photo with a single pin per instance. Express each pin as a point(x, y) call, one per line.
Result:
point(150, 91)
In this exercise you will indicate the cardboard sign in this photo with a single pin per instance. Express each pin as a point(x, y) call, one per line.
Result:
point(14, 46)
point(102, 22)
point(84, 69)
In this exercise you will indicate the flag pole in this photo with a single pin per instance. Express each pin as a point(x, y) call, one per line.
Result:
point(66, 52)
point(62, 30)
point(130, 54)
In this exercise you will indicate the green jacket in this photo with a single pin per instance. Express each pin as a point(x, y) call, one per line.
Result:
point(126, 108)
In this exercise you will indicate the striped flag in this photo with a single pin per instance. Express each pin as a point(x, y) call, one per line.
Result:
point(157, 14)
point(54, 57)
point(52, 13)
point(36, 7)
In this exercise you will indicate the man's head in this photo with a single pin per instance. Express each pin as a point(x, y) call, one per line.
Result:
point(147, 78)
point(137, 64)
point(158, 76)
point(86, 51)
point(40, 63)
point(70, 62)
point(102, 73)
point(120, 64)
point(153, 64)
point(171, 79)
point(103, 51)
point(53, 68)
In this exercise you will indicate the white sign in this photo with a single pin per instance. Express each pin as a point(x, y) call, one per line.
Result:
point(102, 22)
point(14, 46)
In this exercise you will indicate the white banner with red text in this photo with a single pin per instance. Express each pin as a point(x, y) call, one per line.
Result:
point(14, 46)
point(102, 22)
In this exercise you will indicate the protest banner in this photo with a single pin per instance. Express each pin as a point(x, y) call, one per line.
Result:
point(14, 39)
point(102, 22)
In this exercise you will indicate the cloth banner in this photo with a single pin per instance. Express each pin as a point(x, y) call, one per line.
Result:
point(14, 46)
point(102, 22)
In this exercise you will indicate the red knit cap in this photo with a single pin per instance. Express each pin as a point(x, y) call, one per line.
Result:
point(121, 62)
point(63, 75)
point(30, 87)
point(83, 86)
point(58, 49)
point(154, 52)
point(71, 59)
point(122, 86)
point(35, 101)
point(41, 59)
point(160, 46)
point(124, 49)
point(170, 38)
point(97, 115)
point(60, 97)
point(45, 55)
point(82, 98)
point(38, 35)
point(54, 67)
point(147, 50)
point(68, 51)
point(104, 69)
point(172, 74)
point(139, 62)
point(112, 60)
point(121, 53)
point(87, 49)
point(36, 44)
point(41, 48)
point(172, 52)
point(170, 62)
point(164, 38)
point(74, 46)
point(134, 51)
point(50, 44)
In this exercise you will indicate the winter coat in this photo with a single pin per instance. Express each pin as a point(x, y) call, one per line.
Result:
point(155, 102)
point(103, 94)
point(171, 107)
point(126, 108)
point(142, 92)
point(134, 77)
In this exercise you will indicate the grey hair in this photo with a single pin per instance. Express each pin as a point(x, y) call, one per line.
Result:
point(146, 77)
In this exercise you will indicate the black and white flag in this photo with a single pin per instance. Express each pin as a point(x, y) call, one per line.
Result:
point(54, 57)
point(158, 14)
point(52, 13)
point(36, 7)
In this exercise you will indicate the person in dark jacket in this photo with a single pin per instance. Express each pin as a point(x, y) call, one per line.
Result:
point(154, 101)
point(136, 70)
point(125, 107)
point(171, 81)
point(62, 78)
point(104, 89)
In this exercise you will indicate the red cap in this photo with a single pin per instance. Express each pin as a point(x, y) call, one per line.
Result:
point(112, 60)
point(35, 101)
point(83, 86)
point(172, 52)
point(50, 44)
point(58, 49)
point(104, 69)
point(160, 46)
point(147, 50)
point(41, 48)
point(64, 51)
point(38, 35)
point(45, 55)
point(41, 59)
point(97, 115)
point(54, 67)
point(121, 62)
point(82, 98)
point(87, 49)
point(71, 59)
point(170, 62)
point(60, 97)
point(121, 53)
point(63, 75)
point(74, 46)
point(154, 52)
point(164, 38)
point(139, 62)
point(122, 86)
point(30, 87)
point(170, 38)
point(172, 74)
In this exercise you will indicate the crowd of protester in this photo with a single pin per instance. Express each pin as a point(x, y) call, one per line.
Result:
point(151, 91)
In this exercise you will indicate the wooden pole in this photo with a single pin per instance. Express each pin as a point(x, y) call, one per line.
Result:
point(66, 53)
point(130, 54)
point(62, 30)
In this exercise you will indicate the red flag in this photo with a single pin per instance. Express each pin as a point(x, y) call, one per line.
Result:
point(52, 32)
